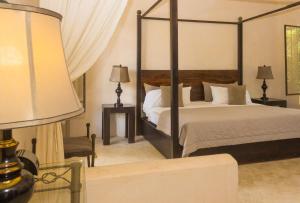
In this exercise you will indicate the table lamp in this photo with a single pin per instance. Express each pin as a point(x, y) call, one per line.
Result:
point(120, 75)
point(264, 73)
point(35, 87)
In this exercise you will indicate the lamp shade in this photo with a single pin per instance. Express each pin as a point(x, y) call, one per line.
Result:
point(264, 72)
point(35, 87)
point(119, 74)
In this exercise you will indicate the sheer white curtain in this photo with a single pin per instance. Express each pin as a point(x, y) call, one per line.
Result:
point(87, 27)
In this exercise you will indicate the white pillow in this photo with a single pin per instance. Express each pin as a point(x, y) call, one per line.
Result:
point(220, 95)
point(186, 95)
point(152, 99)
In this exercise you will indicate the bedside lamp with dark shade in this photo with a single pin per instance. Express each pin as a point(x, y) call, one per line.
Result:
point(35, 87)
point(120, 75)
point(264, 73)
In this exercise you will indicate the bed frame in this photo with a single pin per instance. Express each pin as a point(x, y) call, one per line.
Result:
point(169, 145)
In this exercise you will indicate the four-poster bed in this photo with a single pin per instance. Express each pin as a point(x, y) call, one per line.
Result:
point(169, 144)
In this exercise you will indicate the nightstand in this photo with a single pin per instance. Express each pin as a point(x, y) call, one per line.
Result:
point(271, 102)
point(129, 110)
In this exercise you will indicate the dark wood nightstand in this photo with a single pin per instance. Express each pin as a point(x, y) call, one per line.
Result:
point(129, 111)
point(271, 102)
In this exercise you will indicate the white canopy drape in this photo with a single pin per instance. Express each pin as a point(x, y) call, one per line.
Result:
point(87, 28)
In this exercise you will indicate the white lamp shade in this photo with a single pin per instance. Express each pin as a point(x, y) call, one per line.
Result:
point(35, 87)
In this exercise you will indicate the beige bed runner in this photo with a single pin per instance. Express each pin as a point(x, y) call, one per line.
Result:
point(222, 126)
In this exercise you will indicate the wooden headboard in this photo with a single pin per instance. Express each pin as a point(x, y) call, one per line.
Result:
point(193, 78)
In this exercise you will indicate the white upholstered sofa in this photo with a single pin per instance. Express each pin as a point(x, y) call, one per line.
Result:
point(206, 179)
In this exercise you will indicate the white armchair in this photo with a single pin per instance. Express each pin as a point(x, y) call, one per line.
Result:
point(206, 179)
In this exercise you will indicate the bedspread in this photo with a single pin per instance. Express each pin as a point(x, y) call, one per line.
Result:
point(232, 125)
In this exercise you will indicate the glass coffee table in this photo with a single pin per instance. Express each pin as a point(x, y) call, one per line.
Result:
point(60, 183)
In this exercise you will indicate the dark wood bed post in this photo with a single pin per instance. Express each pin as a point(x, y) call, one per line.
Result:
point(175, 149)
point(240, 51)
point(138, 74)
point(292, 5)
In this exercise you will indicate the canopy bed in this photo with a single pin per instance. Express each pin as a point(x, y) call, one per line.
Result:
point(169, 136)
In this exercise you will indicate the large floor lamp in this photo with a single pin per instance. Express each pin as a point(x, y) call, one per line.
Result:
point(35, 87)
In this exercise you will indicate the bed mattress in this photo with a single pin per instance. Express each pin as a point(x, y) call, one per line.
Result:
point(203, 125)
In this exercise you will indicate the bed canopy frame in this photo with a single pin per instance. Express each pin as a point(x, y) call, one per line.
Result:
point(174, 149)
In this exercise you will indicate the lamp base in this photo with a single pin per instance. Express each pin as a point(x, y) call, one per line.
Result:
point(264, 88)
point(20, 190)
point(119, 92)
point(16, 185)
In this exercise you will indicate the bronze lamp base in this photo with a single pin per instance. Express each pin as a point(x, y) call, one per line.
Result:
point(16, 185)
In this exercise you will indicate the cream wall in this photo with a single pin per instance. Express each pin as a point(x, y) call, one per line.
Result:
point(264, 44)
point(202, 46)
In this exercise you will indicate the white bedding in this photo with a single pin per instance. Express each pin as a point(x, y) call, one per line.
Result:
point(154, 112)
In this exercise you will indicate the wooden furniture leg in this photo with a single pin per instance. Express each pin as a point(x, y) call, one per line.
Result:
point(102, 135)
point(88, 161)
point(126, 125)
point(131, 138)
point(93, 149)
point(106, 126)
point(33, 141)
